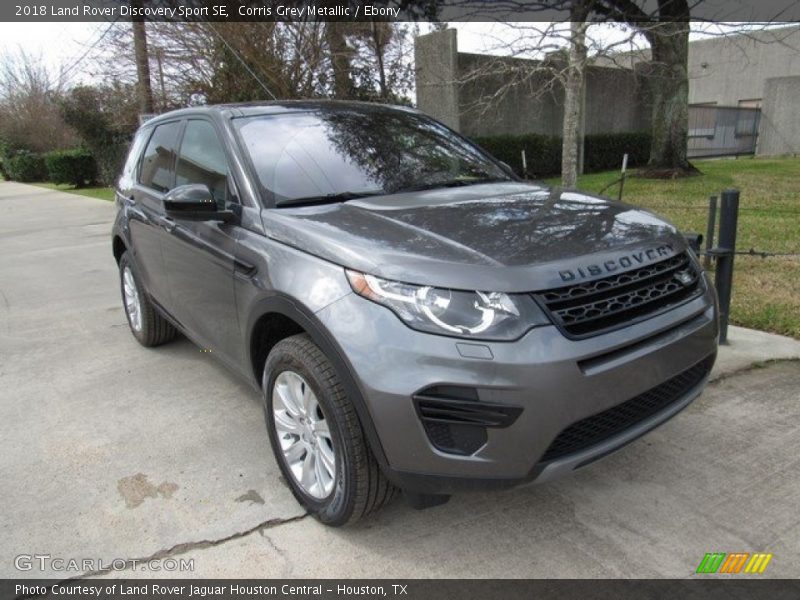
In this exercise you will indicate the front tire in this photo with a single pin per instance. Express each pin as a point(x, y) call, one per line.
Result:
point(317, 438)
point(147, 326)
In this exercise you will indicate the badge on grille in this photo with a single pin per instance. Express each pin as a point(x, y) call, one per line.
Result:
point(685, 278)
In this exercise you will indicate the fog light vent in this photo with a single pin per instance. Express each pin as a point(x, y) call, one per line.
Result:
point(456, 420)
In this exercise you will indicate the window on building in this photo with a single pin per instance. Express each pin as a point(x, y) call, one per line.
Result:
point(703, 120)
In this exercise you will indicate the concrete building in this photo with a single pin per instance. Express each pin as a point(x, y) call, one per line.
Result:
point(732, 70)
point(754, 70)
point(460, 89)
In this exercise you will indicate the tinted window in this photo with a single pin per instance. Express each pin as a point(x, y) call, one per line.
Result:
point(159, 158)
point(126, 177)
point(313, 154)
point(202, 160)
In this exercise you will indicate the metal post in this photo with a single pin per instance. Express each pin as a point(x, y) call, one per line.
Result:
point(712, 226)
point(524, 164)
point(623, 175)
point(725, 252)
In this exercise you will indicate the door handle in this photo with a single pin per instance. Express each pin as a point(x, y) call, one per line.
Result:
point(168, 223)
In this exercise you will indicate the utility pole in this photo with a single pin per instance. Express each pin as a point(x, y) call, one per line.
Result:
point(142, 61)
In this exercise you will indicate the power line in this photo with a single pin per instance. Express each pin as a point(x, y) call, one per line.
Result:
point(241, 60)
point(88, 50)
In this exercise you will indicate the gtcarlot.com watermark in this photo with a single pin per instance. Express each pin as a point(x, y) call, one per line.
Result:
point(47, 562)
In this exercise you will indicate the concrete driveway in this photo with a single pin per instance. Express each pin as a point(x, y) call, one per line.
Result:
point(112, 451)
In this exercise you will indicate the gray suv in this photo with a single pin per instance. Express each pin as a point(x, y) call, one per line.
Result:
point(415, 316)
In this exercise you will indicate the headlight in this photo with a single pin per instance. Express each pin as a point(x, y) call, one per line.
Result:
point(478, 315)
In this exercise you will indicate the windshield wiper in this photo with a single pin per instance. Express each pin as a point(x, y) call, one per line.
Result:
point(328, 198)
point(451, 183)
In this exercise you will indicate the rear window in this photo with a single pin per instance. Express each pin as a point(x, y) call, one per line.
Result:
point(126, 178)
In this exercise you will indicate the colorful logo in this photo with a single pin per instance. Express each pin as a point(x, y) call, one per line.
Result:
point(735, 562)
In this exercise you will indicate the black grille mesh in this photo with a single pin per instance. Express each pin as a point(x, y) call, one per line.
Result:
point(456, 420)
point(593, 307)
point(598, 428)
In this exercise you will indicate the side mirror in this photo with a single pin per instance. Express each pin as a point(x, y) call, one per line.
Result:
point(194, 202)
point(694, 241)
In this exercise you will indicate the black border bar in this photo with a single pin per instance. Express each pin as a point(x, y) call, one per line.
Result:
point(700, 587)
point(750, 11)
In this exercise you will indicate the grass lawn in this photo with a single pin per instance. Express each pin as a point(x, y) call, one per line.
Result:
point(101, 193)
point(766, 292)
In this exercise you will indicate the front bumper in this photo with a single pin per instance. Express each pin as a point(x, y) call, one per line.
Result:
point(556, 382)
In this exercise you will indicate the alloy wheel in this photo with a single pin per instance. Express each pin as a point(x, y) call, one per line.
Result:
point(133, 306)
point(304, 434)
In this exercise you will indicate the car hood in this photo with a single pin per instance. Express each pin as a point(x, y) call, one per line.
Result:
point(506, 237)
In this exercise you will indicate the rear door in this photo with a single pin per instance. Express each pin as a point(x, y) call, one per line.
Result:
point(155, 176)
point(199, 255)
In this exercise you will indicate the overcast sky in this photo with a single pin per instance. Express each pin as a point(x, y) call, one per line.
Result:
point(57, 43)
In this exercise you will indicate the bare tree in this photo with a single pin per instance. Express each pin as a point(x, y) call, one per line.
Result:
point(380, 36)
point(573, 95)
point(660, 41)
point(542, 67)
point(224, 62)
point(206, 62)
point(30, 118)
point(667, 33)
point(340, 54)
point(381, 66)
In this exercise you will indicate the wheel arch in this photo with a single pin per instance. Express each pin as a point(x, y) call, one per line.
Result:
point(118, 246)
point(288, 318)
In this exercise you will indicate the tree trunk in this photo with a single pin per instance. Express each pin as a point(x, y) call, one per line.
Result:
point(571, 128)
point(379, 40)
point(142, 63)
point(340, 58)
point(669, 92)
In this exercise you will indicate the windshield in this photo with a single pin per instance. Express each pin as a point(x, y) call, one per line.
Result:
point(342, 154)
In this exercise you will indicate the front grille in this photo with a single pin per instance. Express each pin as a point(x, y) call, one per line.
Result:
point(602, 426)
point(598, 306)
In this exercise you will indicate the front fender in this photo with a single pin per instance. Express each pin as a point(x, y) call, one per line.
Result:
point(286, 306)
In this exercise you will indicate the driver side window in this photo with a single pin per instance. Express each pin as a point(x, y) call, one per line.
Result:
point(202, 160)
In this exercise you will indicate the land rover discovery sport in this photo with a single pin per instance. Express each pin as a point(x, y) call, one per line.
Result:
point(415, 316)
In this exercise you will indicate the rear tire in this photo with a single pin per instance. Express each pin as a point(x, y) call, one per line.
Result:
point(329, 429)
point(147, 326)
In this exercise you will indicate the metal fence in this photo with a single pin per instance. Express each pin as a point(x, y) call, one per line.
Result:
point(722, 130)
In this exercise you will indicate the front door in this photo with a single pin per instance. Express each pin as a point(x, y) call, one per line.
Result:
point(199, 255)
point(156, 175)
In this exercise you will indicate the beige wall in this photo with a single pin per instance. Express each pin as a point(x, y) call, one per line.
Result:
point(779, 130)
point(733, 69)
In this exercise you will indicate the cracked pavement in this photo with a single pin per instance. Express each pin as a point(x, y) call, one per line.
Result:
point(113, 451)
